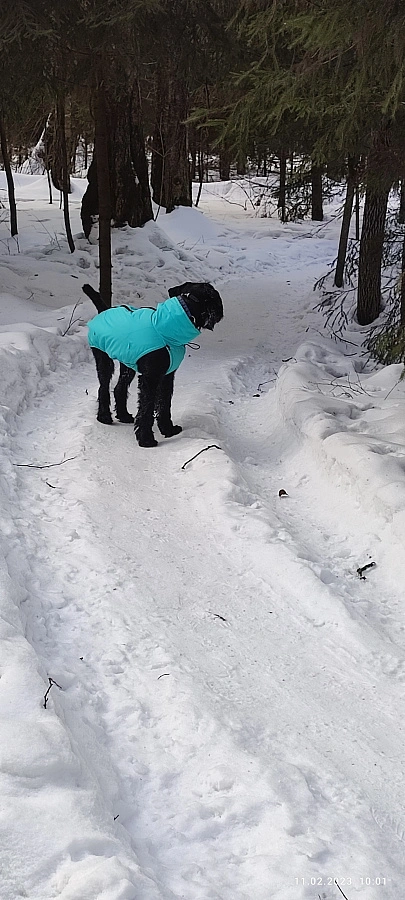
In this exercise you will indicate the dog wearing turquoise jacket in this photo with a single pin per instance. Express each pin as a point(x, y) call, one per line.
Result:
point(152, 343)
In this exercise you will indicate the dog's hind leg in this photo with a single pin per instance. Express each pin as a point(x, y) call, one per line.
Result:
point(105, 371)
point(127, 375)
point(147, 388)
point(151, 367)
point(163, 407)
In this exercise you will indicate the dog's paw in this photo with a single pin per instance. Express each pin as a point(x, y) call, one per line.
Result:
point(105, 419)
point(125, 418)
point(146, 440)
point(175, 429)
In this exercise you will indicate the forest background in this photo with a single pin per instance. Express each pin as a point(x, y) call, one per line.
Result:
point(146, 96)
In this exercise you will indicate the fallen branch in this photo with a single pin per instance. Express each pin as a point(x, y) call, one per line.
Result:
point(340, 889)
point(210, 447)
point(46, 466)
point(362, 569)
point(51, 684)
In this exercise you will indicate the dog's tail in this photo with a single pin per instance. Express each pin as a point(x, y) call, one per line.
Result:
point(95, 297)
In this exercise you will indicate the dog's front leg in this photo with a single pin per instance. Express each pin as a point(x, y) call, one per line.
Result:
point(164, 407)
point(127, 375)
point(105, 371)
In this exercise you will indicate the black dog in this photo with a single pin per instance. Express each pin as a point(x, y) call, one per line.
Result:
point(152, 343)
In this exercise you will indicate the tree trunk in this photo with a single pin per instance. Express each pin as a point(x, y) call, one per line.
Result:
point(131, 201)
point(170, 175)
point(101, 146)
point(89, 205)
point(9, 178)
point(316, 194)
point(371, 247)
point(281, 202)
point(241, 163)
point(64, 171)
point(344, 231)
point(401, 211)
point(357, 212)
point(200, 172)
point(225, 160)
point(402, 318)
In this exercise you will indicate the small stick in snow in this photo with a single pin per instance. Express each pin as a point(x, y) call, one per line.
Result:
point(259, 386)
point(362, 569)
point(46, 466)
point(71, 318)
point(163, 675)
point(210, 447)
point(51, 683)
point(217, 616)
point(340, 889)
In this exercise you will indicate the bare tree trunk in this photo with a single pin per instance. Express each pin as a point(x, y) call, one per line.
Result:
point(200, 171)
point(402, 318)
point(130, 193)
point(225, 160)
point(64, 172)
point(371, 247)
point(401, 211)
point(101, 144)
point(357, 212)
point(9, 178)
point(281, 202)
point(170, 175)
point(316, 194)
point(344, 231)
point(241, 163)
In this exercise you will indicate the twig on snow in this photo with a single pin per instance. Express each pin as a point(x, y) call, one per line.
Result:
point(362, 569)
point(46, 466)
point(210, 447)
point(51, 684)
point(340, 889)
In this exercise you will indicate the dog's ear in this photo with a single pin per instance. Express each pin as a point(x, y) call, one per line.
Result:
point(185, 288)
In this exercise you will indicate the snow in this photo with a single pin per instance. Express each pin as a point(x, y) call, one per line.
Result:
point(224, 692)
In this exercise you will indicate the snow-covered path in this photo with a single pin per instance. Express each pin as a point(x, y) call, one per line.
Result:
point(226, 695)
point(230, 687)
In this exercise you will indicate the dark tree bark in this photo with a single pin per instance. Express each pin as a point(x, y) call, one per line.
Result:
point(401, 211)
point(241, 164)
point(128, 167)
point(371, 247)
point(281, 201)
point(316, 194)
point(357, 212)
point(347, 215)
point(9, 178)
point(170, 176)
point(225, 160)
point(89, 206)
point(131, 201)
point(402, 316)
point(64, 168)
point(104, 191)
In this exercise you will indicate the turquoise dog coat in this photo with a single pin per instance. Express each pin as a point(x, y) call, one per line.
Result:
point(126, 333)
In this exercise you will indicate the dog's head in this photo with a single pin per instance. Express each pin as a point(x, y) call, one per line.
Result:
point(202, 303)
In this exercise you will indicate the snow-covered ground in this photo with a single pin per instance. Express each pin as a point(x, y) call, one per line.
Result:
point(224, 693)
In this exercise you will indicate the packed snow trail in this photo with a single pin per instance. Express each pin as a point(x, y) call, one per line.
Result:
point(232, 695)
